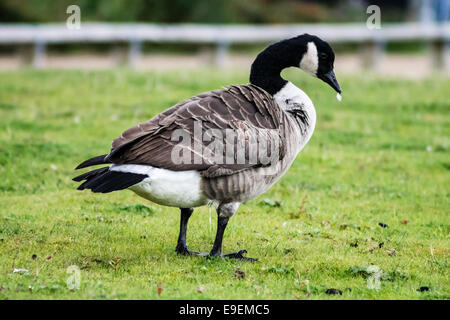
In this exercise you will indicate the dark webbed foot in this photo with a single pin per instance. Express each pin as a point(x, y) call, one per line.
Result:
point(239, 255)
point(185, 251)
point(234, 255)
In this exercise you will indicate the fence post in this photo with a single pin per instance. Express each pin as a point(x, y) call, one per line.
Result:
point(39, 54)
point(222, 53)
point(372, 54)
point(134, 53)
point(440, 51)
point(447, 55)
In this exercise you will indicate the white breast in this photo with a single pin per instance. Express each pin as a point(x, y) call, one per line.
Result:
point(291, 95)
point(166, 187)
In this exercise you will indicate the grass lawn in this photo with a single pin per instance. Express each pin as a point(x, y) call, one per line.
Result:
point(381, 156)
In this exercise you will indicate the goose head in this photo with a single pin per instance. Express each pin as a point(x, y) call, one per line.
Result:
point(307, 52)
point(318, 61)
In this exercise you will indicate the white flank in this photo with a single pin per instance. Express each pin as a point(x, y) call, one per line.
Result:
point(166, 187)
point(310, 60)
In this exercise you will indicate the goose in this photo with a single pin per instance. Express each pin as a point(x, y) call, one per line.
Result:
point(169, 159)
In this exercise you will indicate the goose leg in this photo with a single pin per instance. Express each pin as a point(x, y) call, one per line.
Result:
point(181, 247)
point(225, 212)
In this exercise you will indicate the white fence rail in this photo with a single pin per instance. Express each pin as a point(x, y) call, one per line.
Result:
point(39, 36)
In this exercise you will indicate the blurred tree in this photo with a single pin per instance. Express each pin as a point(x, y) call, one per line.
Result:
point(190, 11)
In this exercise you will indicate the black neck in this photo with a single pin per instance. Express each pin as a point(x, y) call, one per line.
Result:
point(266, 69)
point(265, 73)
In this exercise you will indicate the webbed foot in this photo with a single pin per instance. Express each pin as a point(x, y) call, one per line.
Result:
point(234, 255)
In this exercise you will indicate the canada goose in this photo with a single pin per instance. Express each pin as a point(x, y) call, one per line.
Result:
point(154, 160)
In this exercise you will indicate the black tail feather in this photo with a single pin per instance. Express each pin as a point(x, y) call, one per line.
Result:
point(93, 161)
point(103, 180)
point(90, 174)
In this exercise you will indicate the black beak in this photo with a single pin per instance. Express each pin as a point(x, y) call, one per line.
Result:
point(330, 78)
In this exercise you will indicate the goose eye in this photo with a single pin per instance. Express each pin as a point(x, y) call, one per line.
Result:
point(323, 55)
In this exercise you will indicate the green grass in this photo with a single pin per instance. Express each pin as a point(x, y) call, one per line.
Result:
point(379, 156)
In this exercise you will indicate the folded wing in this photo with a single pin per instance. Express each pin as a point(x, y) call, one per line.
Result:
point(188, 136)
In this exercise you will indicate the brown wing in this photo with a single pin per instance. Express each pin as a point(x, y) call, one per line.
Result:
point(188, 136)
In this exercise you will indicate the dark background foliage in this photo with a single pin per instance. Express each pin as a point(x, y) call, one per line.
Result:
point(199, 11)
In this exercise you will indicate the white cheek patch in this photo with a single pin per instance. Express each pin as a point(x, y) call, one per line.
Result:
point(310, 60)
